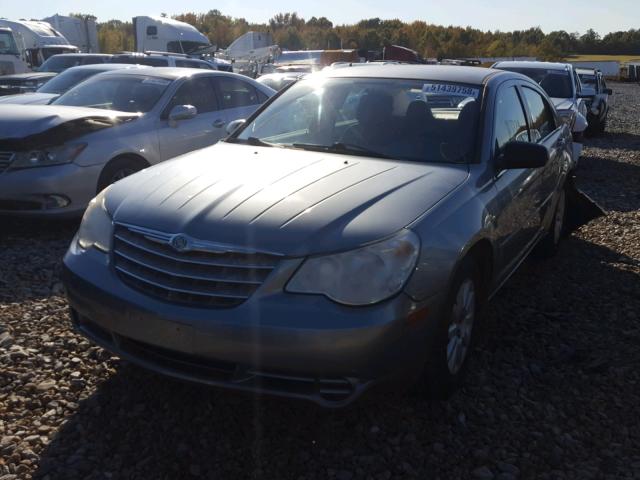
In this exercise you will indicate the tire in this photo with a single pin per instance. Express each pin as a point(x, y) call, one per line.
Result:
point(578, 137)
point(117, 169)
point(602, 125)
point(550, 243)
point(453, 338)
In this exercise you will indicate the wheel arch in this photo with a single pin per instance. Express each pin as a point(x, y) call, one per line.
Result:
point(132, 157)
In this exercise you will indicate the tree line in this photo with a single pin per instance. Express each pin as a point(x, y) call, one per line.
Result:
point(293, 32)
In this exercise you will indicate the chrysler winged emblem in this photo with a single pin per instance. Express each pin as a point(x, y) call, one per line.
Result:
point(180, 243)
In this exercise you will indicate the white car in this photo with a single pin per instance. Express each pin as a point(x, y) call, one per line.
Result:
point(55, 158)
point(562, 84)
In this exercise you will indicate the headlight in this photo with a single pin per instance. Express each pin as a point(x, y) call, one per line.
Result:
point(49, 156)
point(96, 228)
point(364, 276)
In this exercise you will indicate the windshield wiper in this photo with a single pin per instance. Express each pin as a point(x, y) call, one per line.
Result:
point(341, 147)
point(255, 141)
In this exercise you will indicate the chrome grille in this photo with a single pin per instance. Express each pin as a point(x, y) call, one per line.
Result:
point(202, 276)
point(5, 160)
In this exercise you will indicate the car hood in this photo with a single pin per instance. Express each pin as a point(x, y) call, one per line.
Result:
point(563, 103)
point(34, 126)
point(33, 98)
point(285, 201)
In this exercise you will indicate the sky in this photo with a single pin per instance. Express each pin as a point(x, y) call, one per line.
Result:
point(603, 16)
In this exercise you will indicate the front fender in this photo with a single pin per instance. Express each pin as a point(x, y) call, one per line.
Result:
point(447, 234)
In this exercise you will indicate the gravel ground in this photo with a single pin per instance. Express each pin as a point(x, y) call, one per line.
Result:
point(554, 391)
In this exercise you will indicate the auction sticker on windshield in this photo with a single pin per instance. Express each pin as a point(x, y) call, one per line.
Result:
point(450, 89)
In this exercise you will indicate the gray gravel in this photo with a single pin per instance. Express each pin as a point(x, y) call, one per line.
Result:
point(554, 391)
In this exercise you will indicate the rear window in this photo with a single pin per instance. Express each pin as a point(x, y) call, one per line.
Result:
point(63, 82)
point(59, 63)
point(125, 93)
point(135, 60)
point(557, 83)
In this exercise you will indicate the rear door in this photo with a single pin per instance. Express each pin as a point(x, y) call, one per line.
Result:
point(199, 132)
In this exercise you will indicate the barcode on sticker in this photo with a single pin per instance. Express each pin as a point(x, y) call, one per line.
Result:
point(450, 89)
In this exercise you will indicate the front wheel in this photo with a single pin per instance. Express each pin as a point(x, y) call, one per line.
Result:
point(455, 333)
point(117, 169)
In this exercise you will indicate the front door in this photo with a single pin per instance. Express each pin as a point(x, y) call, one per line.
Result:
point(517, 222)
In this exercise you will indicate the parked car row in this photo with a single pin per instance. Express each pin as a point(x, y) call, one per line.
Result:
point(579, 95)
point(342, 234)
point(31, 81)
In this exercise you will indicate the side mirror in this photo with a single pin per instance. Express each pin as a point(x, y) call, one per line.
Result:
point(234, 125)
point(608, 91)
point(181, 112)
point(522, 155)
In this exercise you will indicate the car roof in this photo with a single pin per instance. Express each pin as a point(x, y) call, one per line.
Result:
point(81, 54)
point(541, 65)
point(171, 73)
point(590, 71)
point(104, 67)
point(442, 73)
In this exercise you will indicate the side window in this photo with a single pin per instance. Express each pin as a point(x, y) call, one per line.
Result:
point(152, 30)
point(542, 119)
point(262, 97)
point(198, 92)
point(510, 120)
point(236, 93)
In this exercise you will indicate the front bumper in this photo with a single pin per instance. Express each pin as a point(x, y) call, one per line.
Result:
point(35, 191)
point(299, 346)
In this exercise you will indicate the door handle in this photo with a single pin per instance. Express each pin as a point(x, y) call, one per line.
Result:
point(219, 123)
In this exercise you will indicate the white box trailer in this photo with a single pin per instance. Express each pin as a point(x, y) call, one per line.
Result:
point(164, 34)
point(80, 32)
point(10, 61)
point(609, 68)
point(37, 40)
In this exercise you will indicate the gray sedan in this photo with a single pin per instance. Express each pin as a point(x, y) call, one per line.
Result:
point(349, 234)
point(55, 158)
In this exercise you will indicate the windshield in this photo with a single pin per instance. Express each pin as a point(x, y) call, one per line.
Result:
point(414, 120)
point(125, 93)
point(59, 63)
point(557, 83)
point(7, 44)
point(587, 79)
point(63, 82)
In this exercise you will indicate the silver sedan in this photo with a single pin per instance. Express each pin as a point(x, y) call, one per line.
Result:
point(347, 235)
point(55, 158)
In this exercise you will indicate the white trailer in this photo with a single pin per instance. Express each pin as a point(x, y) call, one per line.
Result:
point(80, 32)
point(37, 40)
point(609, 68)
point(10, 61)
point(167, 35)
